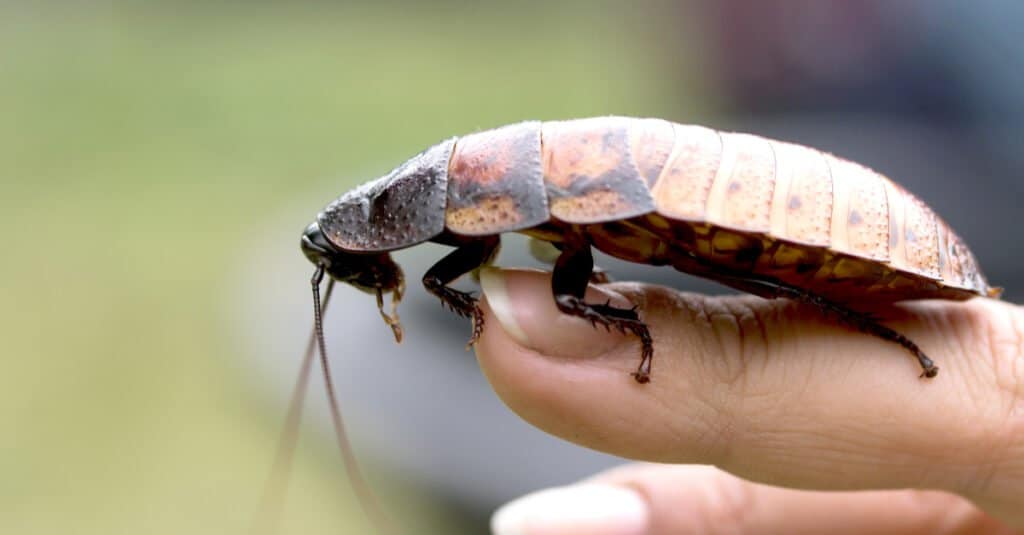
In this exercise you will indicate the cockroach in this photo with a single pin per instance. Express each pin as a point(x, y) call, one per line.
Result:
point(774, 219)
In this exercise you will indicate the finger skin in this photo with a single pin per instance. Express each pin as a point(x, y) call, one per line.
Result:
point(774, 392)
point(703, 499)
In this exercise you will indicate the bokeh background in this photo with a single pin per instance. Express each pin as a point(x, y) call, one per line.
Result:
point(158, 161)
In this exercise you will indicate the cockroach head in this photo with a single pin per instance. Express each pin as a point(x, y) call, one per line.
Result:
point(370, 272)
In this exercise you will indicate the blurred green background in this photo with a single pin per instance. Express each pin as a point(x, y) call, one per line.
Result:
point(140, 145)
point(146, 148)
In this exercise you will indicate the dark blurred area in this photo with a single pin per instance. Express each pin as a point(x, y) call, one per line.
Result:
point(160, 159)
point(870, 57)
point(929, 93)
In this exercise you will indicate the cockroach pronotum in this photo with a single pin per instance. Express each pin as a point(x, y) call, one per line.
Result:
point(774, 219)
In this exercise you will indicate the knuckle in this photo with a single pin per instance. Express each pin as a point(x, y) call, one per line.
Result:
point(1001, 332)
point(1007, 348)
point(996, 331)
point(738, 340)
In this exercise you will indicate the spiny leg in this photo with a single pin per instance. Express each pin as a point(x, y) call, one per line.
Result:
point(858, 320)
point(569, 280)
point(466, 258)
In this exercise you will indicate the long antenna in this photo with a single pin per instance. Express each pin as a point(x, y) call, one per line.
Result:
point(274, 490)
point(359, 486)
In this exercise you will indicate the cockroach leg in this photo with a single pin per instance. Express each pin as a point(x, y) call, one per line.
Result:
point(863, 322)
point(392, 319)
point(868, 324)
point(466, 258)
point(548, 253)
point(569, 280)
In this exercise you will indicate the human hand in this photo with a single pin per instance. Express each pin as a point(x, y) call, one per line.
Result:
point(774, 393)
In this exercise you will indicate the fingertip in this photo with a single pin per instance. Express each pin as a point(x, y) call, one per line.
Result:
point(560, 374)
point(591, 508)
point(523, 305)
point(529, 380)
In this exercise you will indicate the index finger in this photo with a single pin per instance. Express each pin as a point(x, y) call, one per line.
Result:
point(771, 390)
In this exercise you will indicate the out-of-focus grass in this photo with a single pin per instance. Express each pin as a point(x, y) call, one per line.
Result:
point(140, 142)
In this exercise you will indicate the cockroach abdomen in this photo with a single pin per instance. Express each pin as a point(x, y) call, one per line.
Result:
point(590, 173)
point(496, 182)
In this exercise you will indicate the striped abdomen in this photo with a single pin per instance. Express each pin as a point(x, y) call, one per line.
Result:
point(650, 190)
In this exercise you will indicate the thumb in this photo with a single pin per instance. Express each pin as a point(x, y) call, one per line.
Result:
point(771, 391)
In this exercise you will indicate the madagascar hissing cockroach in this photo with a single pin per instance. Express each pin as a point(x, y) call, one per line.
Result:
point(775, 219)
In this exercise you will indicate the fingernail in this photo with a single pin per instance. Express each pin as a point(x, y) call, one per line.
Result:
point(593, 509)
point(492, 284)
point(525, 307)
